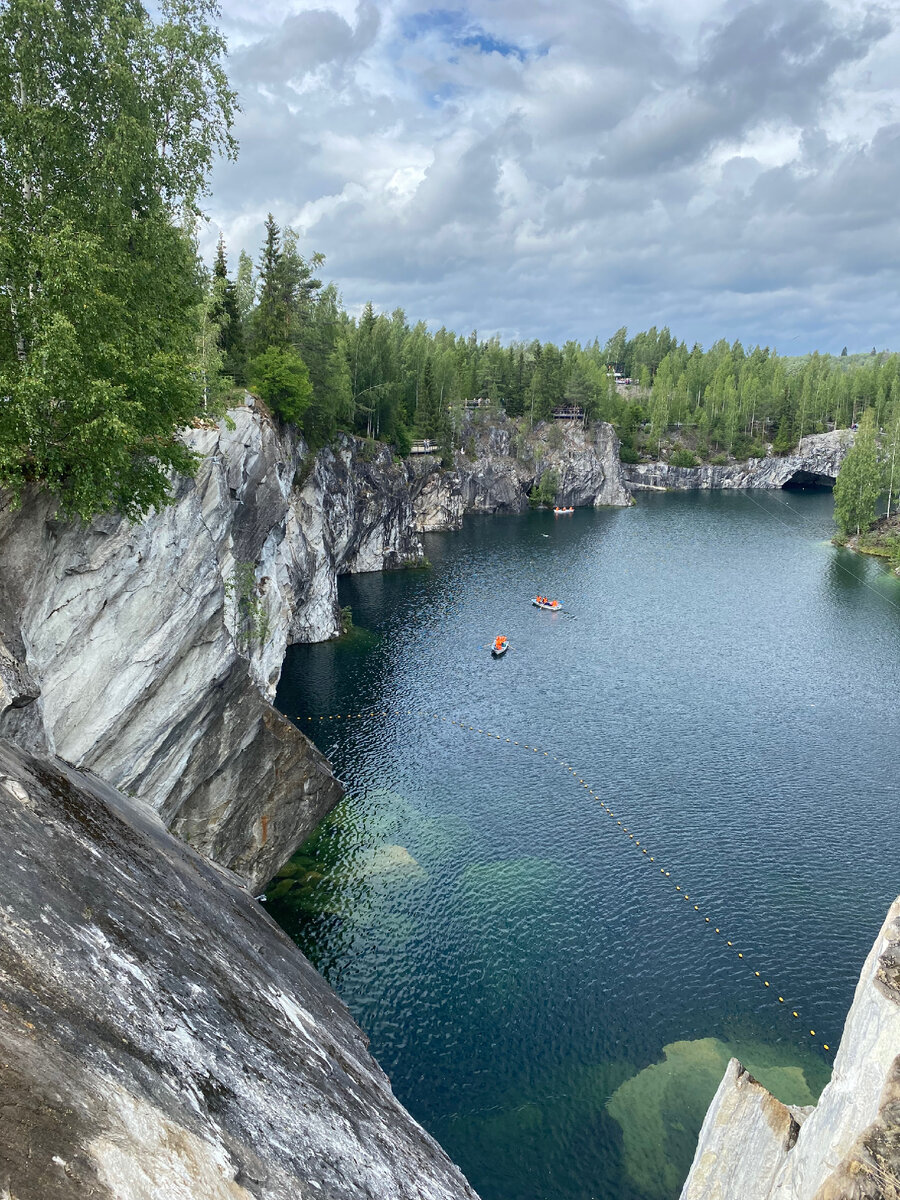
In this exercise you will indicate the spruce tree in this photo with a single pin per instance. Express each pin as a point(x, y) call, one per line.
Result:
point(859, 481)
point(231, 335)
point(271, 322)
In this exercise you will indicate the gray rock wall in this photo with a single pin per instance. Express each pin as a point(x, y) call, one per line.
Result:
point(160, 1037)
point(506, 465)
point(126, 648)
point(355, 512)
point(847, 1147)
point(817, 461)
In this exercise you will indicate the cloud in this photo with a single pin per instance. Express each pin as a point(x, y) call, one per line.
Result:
point(557, 171)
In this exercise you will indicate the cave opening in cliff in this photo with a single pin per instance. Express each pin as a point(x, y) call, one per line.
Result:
point(806, 480)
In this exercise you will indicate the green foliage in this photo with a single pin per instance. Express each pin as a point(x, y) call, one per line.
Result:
point(717, 460)
point(282, 380)
point(627, 453)
point(251, 617)
point(555, 436)
point(227, 314)
point(99, 286)
point(681, 457)
point(402, 441)
point(346, 619)
point(859, 481)
point(544, 491)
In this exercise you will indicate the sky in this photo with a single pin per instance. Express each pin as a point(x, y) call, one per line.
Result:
point(558, 170)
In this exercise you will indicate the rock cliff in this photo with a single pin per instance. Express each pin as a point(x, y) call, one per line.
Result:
point(148, 652)
point(501, 465)
point(817, 462)
point(160, 1036)
point(752, 1147)
point(355, 513)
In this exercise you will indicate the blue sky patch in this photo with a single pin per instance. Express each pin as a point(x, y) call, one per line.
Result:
point(458, 28)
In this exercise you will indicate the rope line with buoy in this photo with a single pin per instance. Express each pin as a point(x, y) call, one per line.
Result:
point(573, 773)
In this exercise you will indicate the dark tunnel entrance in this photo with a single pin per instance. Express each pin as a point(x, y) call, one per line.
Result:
point(806, 480)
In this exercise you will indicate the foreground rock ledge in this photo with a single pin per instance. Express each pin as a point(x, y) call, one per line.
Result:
point(847, 1147)
point(160, 1036)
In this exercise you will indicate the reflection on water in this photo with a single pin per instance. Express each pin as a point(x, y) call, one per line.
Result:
point(540, 1003)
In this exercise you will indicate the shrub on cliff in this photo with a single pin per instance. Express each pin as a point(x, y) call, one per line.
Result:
point(282, 380)
point(682, 458)
point(544, 491)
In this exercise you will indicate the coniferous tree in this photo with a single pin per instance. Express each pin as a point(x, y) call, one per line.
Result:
point(271, 324)
point(231, 334)
point(245, 287)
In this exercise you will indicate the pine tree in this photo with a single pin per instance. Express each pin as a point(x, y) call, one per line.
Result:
point(859, 481)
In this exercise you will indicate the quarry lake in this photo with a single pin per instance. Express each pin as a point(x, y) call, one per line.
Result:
point(545, 1001)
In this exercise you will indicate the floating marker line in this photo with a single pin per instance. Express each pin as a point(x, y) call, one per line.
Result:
point(575, 777)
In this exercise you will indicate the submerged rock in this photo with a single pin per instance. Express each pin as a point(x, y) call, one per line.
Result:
point(159, 1035)
point(752, 1147)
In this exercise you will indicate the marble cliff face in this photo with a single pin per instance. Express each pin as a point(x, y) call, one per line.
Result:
point(160, 1036)
point(816, 462)
point(149, 652)
point(847, 1146)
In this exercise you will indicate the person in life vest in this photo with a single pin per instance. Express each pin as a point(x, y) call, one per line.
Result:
point(498, 641)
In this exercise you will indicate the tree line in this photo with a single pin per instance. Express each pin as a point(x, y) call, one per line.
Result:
point(381, 376)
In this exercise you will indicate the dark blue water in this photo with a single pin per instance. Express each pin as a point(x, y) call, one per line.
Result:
point(544, 1000)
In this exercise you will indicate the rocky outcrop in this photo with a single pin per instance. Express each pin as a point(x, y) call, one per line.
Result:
point(148, 652)
point(355, 512)
point(817, 462)
point(501, 465)
point(752, 1147)
point(160, 1036)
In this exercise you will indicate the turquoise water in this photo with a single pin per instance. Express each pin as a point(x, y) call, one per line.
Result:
point(543, 999)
